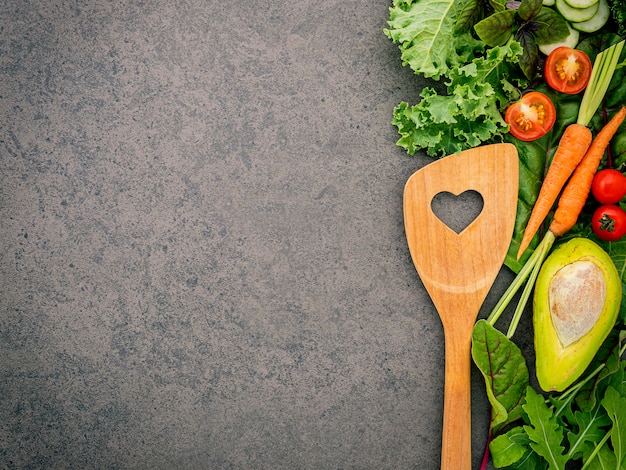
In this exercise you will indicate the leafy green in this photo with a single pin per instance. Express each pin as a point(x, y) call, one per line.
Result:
point(530, 23)
point(585, 425)
point(618, 13)
point(505, 372)
point(544, 431)
point(480, 81)
point(495, 30)
point(615, 405)
point(509, 448)
point(424, 30)
point(587, 428)
point(468, 115)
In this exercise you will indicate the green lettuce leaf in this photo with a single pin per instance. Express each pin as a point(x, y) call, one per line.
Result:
point(424, 31)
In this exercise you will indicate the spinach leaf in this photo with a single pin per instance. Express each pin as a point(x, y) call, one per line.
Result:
point(509, 448)
point(504, 369)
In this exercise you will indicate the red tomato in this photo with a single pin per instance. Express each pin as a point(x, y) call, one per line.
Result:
point(609, 222)
point(531, 117)
point(608, 186)
point(567, 70)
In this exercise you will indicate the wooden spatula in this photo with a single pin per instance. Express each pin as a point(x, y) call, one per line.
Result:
point(459, 269)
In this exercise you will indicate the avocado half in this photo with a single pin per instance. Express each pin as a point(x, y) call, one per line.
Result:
point(576, 303)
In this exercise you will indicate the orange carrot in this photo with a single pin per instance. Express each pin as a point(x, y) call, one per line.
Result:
point(572, 147)
point(575, 194)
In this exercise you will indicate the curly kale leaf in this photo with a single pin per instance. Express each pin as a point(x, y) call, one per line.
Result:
point(469, 114)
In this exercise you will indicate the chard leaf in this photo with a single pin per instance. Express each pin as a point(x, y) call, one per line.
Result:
point(550, 27)
point(496, 29)
point(615, 405)
point(424, 31)
point(544, 431)
point(509, 448)
point(504, 369)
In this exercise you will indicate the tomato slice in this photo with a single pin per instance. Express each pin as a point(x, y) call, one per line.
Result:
point(531, 117)
point(567, 70)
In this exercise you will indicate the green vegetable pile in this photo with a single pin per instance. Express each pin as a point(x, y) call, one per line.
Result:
point(486, 54)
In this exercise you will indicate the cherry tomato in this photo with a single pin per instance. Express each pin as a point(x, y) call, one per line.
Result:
point(608, 222)
point(531, 117)
point(567, 70)
point(608, 186)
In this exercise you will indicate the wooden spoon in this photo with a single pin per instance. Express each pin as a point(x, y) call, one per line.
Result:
point(459, 269)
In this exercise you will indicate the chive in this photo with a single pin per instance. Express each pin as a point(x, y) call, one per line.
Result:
point(601, 74)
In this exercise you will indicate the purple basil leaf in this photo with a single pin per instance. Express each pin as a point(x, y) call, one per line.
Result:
point(529, 8)
point(530, 56)
point(496, 29)
point(549, 27)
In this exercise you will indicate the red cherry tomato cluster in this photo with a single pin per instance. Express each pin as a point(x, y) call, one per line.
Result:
point(566, 70)
point(609, 219)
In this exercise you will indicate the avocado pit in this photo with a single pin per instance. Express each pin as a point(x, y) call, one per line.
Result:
point(577, 294)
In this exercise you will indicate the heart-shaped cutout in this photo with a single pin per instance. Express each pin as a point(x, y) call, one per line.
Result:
point(457, 212)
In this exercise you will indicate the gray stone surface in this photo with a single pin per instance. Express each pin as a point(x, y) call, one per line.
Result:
point(203, 262)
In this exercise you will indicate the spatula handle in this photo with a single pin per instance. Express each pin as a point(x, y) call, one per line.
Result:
point(456, 446)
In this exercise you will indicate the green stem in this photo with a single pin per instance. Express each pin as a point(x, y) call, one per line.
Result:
point(596, 450)
point(542, 249)
point(601, 75)
point(517, 283)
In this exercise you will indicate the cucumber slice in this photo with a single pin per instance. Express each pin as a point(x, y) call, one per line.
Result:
point(597, 21)
point(548, 3)
point(571, 41)
point(576, 15)
point(581, 3)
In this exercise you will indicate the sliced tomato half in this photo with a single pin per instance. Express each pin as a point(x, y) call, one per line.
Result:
point(567, 70)
point(531, 117)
